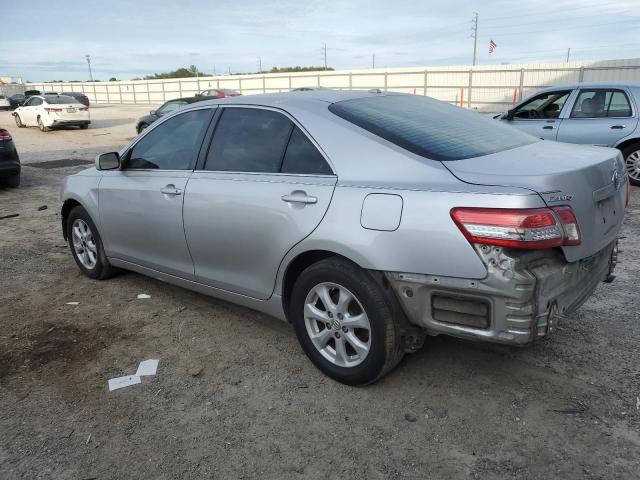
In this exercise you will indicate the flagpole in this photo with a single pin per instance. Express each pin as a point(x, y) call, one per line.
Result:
point(475, 36)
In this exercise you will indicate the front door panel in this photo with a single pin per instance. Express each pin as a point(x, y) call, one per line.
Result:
point(239, 227)
point(141, 219)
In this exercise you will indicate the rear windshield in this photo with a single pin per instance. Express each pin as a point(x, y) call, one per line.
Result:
point(56, 99)
point(429, 128)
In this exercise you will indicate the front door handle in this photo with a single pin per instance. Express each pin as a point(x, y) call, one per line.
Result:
point(617, 127)
point(299, 197)
point(170, 190)
point(549, 127)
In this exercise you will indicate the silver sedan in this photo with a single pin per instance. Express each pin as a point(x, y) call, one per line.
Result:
point(367, 220)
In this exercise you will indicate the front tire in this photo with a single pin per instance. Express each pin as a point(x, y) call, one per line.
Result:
point(344, 322)
point(14, 181)
point(18, 120)
point(631, 156)
point(86, 245)
point(84, 126)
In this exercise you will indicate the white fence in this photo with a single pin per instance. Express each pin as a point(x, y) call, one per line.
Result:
point(485, 88)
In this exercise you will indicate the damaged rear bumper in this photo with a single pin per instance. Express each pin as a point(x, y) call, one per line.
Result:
point(519, 301)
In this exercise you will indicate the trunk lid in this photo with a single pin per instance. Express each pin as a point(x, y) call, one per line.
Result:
point(591, 180)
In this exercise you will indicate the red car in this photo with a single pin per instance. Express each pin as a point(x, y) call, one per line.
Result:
point(218, 93)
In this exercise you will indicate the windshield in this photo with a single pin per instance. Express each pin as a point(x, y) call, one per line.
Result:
point(430, 128)
point(57, 99)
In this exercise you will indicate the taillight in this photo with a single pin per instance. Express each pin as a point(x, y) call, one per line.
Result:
point(526, 228)
point(51, 109)
point(5, 136)
point(83, 109)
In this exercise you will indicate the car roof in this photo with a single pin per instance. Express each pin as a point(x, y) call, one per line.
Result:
point(593, 85)
point(187, 99)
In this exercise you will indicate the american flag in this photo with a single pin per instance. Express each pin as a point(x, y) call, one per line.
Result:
point(492, 46)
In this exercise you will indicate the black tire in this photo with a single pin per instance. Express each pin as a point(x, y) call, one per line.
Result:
point(14, 181)
point(102, 269)
point(629, 150)
point(41, 126)
point(141, 127)
point(385, 349)
point(84, 126)
point(18, 120)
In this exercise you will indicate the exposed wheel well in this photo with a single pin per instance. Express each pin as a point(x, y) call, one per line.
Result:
point(296, 267)
point(67, 206)
point(626, 143)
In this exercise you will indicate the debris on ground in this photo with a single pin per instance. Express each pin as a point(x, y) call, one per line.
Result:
point(195, 370)
point(42, 207)
point(143, 296)
point(409, 417)
point(147, 367)
point(12, 215)
point(121, 382)
point(72, 303)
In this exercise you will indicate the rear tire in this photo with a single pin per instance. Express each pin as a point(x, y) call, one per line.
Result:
point(84, 127)
point(14, 181)
point(41, 126)
point(355, 341)
point(18, 120)
point(86, 245)
point(631, 156)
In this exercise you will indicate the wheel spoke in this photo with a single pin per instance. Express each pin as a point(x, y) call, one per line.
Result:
point(311, 311)
point(92, 246)
point(356, 321)
point(344, 299)
point(358, 345)
point(341, 352)
point(321, 338)
point(325, 298)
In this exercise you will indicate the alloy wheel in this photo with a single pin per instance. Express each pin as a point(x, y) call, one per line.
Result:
point(84, 244)
point(337, 324)
point(633, 165)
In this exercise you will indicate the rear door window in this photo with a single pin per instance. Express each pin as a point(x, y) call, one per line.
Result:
point(302, 157)
point(249, 140)
point(601, 103)
point(430, 128)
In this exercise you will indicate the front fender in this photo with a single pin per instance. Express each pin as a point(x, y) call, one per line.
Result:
point(82, 188)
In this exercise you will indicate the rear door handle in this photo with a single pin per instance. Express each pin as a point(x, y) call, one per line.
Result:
point(170, 190)
point(548, 127)
point(617, 127)
point(300, 198)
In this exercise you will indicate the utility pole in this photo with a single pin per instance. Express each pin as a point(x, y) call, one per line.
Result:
point(229, 70)
point(373, 61)
point(260, 64)
point(88, 57)
point(568, 53)
point(325, 56)
point(474, 35)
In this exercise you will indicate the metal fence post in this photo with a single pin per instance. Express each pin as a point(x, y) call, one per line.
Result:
point(385, 80)
point(318, 80)
point(470, 88)
point(95, 97)
point(133, 87)
point(581, 75)
point(120, 92)
point(108, 99)
point(164, 98)
point(521, 84)
point(289, 81)
point(350, 80)
point(425, 83)
point(264, 86)
point(180, 87)
point(240, 84)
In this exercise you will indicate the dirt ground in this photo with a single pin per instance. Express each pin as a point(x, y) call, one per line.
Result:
point(235, 397)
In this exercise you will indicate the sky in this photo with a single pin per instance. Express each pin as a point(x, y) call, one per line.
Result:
point(129, 39)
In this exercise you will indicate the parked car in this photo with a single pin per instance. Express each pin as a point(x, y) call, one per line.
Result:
point(366, 220)
point(592, 113)
point(79, 96)
point(5, 104)
point(9, 161)
point(31, 93)
point(50, 111)
point(218, 93)
point(16, 100)
point(168, 107)
point(308, 89)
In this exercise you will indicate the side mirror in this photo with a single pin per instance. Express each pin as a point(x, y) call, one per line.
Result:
point(198, 95)
point(509, 114)
point(153, 112)
point(108, 161)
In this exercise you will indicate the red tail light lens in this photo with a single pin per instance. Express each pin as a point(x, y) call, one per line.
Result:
point(5, 136)
point(531, 228)
point(83, 109)
point(51, 109)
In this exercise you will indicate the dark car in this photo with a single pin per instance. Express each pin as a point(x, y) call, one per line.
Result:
point(31, 93)
point(218, 93)
point(9, 161)
point(79, 96)
point(168, 107)
point(16, 100)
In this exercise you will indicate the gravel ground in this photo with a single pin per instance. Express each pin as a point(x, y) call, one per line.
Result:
point(235, 397)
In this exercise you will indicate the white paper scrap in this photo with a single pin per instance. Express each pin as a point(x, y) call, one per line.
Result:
point(147, 367)
point(143, 295)
point(121, 382)
point(73, 303)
